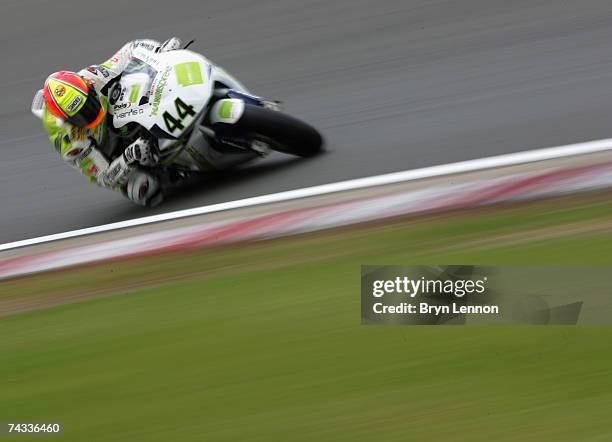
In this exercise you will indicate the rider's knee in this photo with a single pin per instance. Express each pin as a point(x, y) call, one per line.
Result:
point(144, 189)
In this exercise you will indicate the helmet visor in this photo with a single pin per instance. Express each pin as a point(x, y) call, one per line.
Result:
point(90, 114)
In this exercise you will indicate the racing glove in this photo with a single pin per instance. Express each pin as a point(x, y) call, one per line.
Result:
point(118, 172)
point(140, 151)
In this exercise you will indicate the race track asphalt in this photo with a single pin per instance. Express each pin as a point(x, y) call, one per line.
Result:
point(392, 85)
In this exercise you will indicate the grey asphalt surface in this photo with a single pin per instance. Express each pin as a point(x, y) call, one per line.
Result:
point(392, 85)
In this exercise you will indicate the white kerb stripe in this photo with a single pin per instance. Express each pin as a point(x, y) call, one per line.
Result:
point(360, 183)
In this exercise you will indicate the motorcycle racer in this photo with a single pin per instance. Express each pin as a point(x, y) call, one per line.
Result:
point(74, 109)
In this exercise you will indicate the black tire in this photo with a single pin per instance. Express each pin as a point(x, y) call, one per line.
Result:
point(282, 132)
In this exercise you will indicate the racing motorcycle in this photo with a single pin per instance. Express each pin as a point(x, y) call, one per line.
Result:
point(203, 118)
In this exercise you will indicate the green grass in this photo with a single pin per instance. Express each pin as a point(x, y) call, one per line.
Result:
point(263, 342)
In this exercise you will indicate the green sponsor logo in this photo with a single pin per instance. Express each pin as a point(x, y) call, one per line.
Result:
point(159, 90)
point(134, 93)
point(188, 74)
point(225, 111)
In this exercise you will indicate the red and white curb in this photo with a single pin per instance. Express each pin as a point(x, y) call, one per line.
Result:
point(309, 219)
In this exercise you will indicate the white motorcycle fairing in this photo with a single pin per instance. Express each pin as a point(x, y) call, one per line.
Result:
point(168, 94)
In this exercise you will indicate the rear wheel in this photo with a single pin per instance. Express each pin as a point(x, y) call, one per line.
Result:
point(280, 131)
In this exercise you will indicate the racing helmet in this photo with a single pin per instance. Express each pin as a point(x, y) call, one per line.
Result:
point(71, 99)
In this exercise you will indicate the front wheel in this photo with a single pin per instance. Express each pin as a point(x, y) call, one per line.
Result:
point(280, 131)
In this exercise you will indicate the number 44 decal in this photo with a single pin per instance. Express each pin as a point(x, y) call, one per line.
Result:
point(183, 110)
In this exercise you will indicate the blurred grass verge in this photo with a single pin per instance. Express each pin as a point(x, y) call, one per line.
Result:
point(263, 341)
